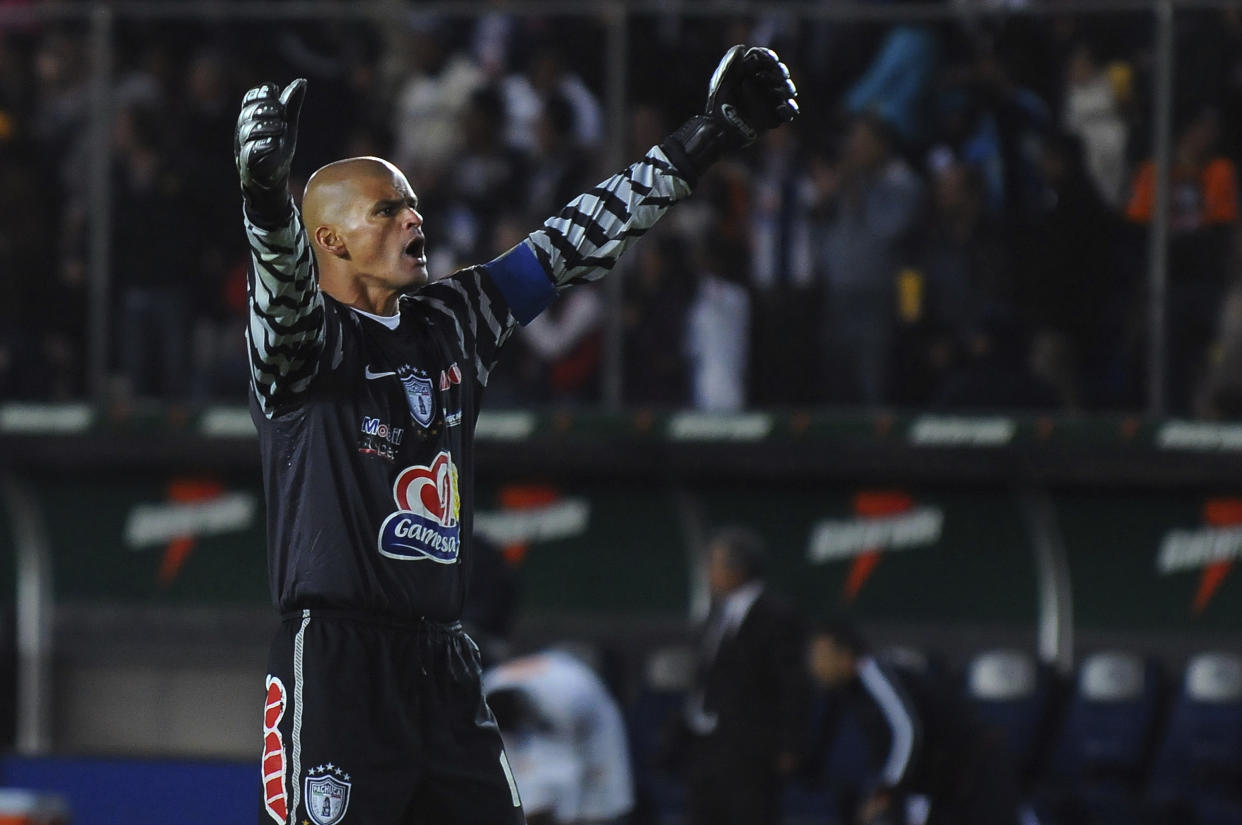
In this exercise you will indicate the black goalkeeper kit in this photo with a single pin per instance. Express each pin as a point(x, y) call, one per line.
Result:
point(374, 711)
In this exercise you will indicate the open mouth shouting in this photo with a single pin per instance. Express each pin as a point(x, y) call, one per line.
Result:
point(416, 250)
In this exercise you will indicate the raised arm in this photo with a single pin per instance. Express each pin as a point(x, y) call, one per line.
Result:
point(749, 93)
point(285, 332)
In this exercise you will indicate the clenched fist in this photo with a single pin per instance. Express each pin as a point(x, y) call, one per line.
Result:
point(749, 93)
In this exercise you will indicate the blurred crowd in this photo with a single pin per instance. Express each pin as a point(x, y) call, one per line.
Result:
point(958, 220)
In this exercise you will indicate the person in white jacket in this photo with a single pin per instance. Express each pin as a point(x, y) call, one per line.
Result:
point(565, 738)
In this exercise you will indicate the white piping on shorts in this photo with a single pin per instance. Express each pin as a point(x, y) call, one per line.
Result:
point(297, 718)
point(513, 791)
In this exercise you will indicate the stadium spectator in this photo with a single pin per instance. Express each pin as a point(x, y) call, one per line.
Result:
point(930, 743)
point(146, 81)
point(24, 240)
point(1223, 391)
point(1068, 290)
point(560, 167)
point(993, 122)
point(486, 176)
point(743, 719)
point(1203, 216)
point(205, 121)
point(962, 274)
point(657, 296)
point(646, 123)
point(565, 738)
point(546, 76)
point(204, 118)
point(220, 363)
point(896, 87)
point(556, 357)
point(430, 102)
point(984, 93)
point(782, 274)
point(61, 102)
point(1209, 68)
point(58, 126)
point(566, 343)
point(1094, 97)
point(717, 339)
point(995, 372)
point(338, 60)
point(29, 271)
point(149, 227)
point(871, 200)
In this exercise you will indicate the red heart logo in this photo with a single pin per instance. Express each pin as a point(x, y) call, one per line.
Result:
point(427, 490)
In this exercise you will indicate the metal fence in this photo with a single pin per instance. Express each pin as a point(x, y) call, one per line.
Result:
point(617, 20)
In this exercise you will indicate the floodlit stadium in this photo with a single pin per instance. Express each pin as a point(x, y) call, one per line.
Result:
point(859, 446)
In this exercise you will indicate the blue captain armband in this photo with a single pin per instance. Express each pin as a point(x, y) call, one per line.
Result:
point(522, 280)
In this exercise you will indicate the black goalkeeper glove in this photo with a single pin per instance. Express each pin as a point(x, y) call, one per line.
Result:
point(263, 144)
point(750, 92)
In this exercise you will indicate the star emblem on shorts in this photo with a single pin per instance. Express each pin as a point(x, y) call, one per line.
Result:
point(330, 768)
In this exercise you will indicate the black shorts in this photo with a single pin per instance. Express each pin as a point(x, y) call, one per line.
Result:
point(380, 722)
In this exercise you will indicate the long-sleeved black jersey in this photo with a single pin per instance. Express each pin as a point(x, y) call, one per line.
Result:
point(366, 424)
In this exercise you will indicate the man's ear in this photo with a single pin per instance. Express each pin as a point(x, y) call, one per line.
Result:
point(329, 240)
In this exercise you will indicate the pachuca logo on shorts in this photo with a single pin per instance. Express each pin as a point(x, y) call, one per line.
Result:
point(327, 794)
point(426, 525)
point(419, 392)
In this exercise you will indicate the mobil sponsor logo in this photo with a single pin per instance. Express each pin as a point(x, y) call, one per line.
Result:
point(883, 521)
point(377, 428)
point(1210, 549)
point(426, 525)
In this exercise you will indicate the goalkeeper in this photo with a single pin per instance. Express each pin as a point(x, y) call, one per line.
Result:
point(365, 386)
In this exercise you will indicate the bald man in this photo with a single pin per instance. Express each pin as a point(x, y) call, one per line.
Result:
point(365, 386)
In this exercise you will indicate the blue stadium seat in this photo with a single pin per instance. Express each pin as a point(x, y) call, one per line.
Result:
point(666, 678)
point(1199, 763)
point(1010, 694)
point(1100, 763)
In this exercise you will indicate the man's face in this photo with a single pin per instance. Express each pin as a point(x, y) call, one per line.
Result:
point(864, 149)
point(830, 664)
point(722, 577)
point(383, 232)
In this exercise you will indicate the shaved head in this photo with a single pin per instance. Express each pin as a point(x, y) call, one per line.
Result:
point(361, 216)
point(334, 188)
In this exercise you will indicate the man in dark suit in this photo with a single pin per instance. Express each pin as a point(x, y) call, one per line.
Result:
point(931, 744)
point(745, 714)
